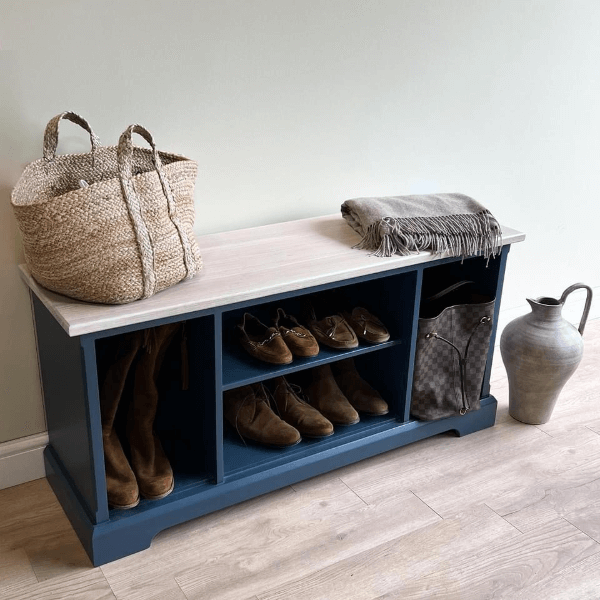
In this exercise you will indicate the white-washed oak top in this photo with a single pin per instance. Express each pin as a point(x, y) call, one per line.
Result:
point(243, 265)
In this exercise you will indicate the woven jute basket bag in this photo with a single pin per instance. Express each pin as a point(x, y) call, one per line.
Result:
point(110, 226)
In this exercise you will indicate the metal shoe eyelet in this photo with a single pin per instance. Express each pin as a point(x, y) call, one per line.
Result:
point(431, 334)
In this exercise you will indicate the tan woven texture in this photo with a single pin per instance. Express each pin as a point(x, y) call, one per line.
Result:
point(127, 235)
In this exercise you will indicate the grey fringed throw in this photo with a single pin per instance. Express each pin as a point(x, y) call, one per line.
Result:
point(451, 224)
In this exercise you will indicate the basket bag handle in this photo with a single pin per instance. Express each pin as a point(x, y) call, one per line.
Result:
point(125, 165)
point(51, 134)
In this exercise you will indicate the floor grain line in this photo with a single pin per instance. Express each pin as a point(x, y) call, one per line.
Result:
point(502, 517)
point(182, 592)
point(427, 505)
point(582, 531)
point(593, 430)
point(353, 491)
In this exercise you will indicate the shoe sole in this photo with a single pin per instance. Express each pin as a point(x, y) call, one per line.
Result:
point(275, 445)
point(160, 496)
point(271, 362)
point(378, 341)
point(252, 442)
point(317, 437)
point(125, 506)
point(346, 424)
point(338, 345)
point(298, 355)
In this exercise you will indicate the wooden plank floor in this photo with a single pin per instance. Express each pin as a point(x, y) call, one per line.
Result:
point(510, 512)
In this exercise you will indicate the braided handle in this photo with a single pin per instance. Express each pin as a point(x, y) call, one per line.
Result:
point(51, 133)
point(125, 150)
point(125, 166)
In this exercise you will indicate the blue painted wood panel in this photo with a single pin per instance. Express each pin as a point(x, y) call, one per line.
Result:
point(73, 428)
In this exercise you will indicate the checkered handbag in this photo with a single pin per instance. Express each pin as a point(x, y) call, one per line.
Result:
point(453, 340)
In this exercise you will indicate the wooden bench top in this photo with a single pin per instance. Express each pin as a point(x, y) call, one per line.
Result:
point(243, 265)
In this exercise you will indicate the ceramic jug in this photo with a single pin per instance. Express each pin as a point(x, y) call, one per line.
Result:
point(541, 351)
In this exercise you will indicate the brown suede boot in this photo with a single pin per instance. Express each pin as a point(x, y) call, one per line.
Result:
point(247, 409)
point(121, 486)
point(148, 460)
point(325, 395)
point(360, 394)
point(295, 411)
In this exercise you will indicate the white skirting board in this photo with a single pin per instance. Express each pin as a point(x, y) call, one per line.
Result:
point(22, 460)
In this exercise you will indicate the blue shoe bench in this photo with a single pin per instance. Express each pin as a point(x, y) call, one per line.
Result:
point(247, 270)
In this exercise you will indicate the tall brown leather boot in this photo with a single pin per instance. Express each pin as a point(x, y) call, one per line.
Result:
point(148, 460)
point(121, 486)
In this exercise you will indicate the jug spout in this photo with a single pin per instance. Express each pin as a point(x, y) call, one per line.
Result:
point(546, 309)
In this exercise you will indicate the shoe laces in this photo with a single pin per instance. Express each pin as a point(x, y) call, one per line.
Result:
point(296, 391)
point(363, 319)
point(333, 324)
point(262, 396)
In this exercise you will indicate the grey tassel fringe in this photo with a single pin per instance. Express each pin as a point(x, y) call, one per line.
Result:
point(454, 235)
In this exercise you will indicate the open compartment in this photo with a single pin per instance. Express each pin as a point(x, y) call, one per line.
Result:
point(391, 299)
point(243, 457)
point(455, 338)
point(185, 420)
point(483, 273)
point(384, 366)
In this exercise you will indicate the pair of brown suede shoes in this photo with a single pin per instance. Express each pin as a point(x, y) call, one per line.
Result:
point(344, 329)
point(277, 344)
point(248, 410)
point(335, 394)
point(339, 393)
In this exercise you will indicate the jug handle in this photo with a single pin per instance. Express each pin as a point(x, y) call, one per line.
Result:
point(588, 302)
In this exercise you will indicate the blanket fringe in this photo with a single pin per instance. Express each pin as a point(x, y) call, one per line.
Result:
point(452, 235)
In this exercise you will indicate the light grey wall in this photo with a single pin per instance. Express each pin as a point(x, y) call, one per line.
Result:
point(292, 106)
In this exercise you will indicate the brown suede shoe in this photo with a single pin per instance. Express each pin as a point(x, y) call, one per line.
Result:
point(295, 411)
point(297, 338)
point(331, 330)
point(262, 342)
point(360, 394)
point(366, 326)
point(247, 409)
point(325, 395)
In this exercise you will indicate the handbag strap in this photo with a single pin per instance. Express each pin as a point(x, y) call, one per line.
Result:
point(448, 290)
point(462, 361)
point(125, 165)
point(51, 134)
